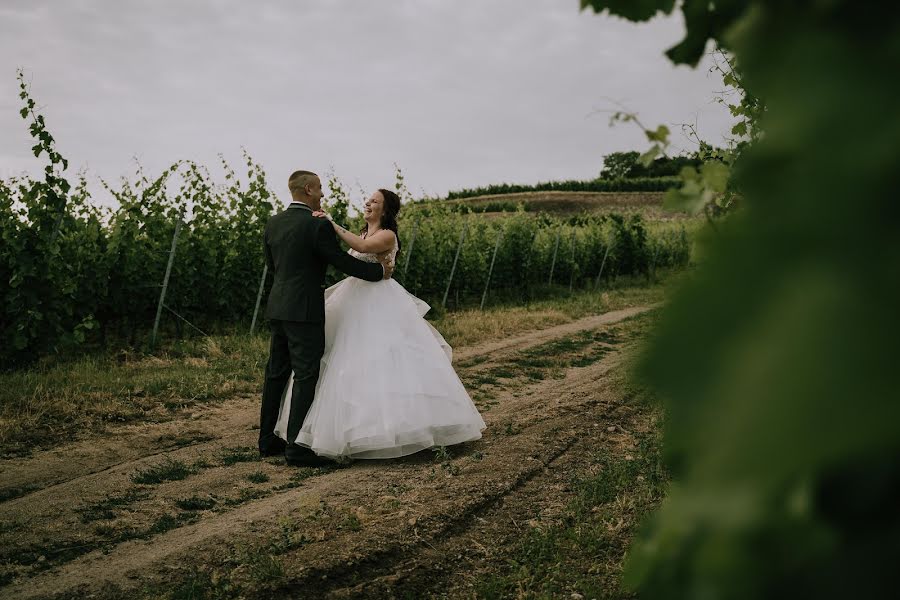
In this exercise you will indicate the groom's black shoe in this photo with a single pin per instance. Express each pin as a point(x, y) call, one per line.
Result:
point(300, 456)
point(273, 448)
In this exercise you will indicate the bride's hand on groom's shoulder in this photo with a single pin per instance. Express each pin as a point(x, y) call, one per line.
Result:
point(321, 213)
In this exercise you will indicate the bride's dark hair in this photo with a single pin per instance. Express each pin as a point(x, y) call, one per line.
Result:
point(389, 214)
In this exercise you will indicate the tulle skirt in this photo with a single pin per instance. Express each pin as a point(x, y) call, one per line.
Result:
point(386, 386)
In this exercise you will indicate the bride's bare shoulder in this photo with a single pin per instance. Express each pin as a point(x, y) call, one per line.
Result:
point(380, 241)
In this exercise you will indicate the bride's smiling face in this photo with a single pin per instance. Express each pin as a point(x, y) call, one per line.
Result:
point(374, 207)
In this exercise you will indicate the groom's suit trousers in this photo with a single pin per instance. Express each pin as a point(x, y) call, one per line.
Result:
point(296, 346)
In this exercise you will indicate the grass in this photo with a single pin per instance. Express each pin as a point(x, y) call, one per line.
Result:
point(351, 522)
point(168, 522)
point(553, 358)
point(582, 551)
point(46, 554)
point(231, 456)
point(441, 453)
point(106, 508)
point(302, 474)
point(168, 470)
point(473, 326)
point(246, 495)
point(196, 503)
point(550, 360)
point(246, 572)
point(17, 492)
point(511, 429)
point(58, 400)
point(257, 477)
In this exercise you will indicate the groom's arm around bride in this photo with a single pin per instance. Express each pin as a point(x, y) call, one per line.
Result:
point(330, 251)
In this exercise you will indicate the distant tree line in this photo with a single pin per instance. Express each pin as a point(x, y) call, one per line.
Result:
point(625, 165)
point(622, 172)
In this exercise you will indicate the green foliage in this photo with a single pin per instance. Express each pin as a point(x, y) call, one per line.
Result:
point(42, 293)
point(633, 10)
point(337, 204)
point(400, 185)
point(637, 184)
point(617, 165)
point(525, 256)
point(778, 358)
point(621, 165)
point(77, 273)
point(706, 180)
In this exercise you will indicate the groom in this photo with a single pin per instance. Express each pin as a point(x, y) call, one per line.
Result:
point(298, 248)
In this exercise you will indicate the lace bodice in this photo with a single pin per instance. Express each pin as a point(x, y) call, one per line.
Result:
point(369, 257)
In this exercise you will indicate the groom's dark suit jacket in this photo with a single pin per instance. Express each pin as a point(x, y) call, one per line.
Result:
point(299, 247)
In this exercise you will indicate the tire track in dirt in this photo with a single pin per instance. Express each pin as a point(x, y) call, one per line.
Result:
point(534, 338)
point(546, 418)
point(450, 566)
point(122, 445)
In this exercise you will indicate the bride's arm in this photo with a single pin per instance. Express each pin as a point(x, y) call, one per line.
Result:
point(382, 241)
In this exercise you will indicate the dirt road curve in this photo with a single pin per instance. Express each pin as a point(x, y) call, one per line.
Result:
point(154, 503)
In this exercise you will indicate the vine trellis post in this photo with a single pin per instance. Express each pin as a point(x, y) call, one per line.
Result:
point(462, 239)
point(262, 282)
point(553, 262)
point(602, 264)
point(487, 283)
point(165, 285)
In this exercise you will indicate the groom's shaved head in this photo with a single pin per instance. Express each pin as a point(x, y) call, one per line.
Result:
point(300, 179)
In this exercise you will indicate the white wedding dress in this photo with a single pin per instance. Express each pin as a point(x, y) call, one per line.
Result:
point(386, 386)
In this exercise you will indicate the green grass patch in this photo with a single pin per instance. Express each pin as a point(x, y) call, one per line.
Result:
point(257, 477)
point(17, 492)
point(553, 358)
point(107, 508)
point(245, 495)
point(55, 399)
point(45, 555)
point(168, 470)
point(196, 503)
point(168, 522)
point(231, 456)
point(479, 379)
point(302, 474)
point(554, 305)
point(350, 522)
point(503, 372)
point(197, 585)
point(582, 552)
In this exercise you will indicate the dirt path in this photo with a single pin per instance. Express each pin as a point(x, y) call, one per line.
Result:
point(160, 502)
point(533, 338)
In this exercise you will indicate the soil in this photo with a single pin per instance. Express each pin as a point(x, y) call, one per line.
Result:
point(89, 521)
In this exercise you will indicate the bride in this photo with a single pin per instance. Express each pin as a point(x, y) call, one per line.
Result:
point(387, 387)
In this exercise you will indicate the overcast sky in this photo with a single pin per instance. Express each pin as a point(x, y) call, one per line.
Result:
point(459, 93)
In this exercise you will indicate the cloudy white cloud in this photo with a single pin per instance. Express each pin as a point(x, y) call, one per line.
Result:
point(459, 93)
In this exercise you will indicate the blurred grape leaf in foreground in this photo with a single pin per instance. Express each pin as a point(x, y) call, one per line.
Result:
point(778, 361)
